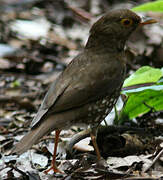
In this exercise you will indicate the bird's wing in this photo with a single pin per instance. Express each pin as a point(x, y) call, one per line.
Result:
point(90, 84)
point(55, 91)
point(74, 89)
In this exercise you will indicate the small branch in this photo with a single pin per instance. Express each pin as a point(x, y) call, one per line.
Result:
point(81, 13)
point(154, 161)
point(16, 98)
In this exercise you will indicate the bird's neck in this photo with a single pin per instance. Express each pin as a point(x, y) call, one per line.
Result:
point(103, 43)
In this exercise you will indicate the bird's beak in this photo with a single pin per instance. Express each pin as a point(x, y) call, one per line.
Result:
point(148, 21)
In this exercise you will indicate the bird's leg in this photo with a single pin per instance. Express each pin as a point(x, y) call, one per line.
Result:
point(93, 134)
point(53, 163)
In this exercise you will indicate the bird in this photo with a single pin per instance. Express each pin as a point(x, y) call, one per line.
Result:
point(87, 90)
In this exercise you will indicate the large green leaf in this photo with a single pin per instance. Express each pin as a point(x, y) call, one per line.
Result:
point(156, 6)
point(145, 74)
point(142, 100)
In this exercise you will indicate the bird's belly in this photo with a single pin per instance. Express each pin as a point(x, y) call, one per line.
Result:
point(92, 113)
point(98, 110)
point(95, 112)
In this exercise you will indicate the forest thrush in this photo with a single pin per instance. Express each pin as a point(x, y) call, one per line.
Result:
point(89, 87)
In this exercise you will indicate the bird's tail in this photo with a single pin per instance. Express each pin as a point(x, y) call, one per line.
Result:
point(34, 135)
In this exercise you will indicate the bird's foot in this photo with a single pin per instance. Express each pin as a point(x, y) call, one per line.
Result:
point(55, 169)
point(102, 162)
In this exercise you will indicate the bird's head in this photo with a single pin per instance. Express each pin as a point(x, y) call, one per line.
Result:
point(116, 26)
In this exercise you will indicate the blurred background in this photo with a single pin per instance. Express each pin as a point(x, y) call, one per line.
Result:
point(38, 38)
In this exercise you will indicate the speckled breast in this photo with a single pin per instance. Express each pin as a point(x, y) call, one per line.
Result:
point(98, 110)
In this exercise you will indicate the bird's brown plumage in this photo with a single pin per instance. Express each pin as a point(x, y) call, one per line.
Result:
point(90, 85)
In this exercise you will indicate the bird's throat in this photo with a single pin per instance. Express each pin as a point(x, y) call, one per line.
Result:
point(105, 43)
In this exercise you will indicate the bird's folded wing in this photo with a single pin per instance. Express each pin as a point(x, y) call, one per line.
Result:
point(73, 89)
point(51, 96)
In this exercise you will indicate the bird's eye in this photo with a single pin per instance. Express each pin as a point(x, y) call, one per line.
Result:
point(126, 22)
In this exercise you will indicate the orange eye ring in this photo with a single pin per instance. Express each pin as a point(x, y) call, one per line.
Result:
point(126, 22)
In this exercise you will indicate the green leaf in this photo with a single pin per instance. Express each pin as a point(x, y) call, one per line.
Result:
point(15, 84)
point(144, 90)
point(145, 74)
point(156, 6)
point(141, 102)
point(160, 81)
point(155, 87)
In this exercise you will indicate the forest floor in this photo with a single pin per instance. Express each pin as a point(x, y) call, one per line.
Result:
point(37, 41)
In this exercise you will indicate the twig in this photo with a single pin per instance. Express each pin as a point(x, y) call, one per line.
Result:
point(4, 98)
point(76, 138)
point(153, 162)
point(81, 13)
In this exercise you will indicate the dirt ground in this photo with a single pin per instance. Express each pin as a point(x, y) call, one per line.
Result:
point(37, 41)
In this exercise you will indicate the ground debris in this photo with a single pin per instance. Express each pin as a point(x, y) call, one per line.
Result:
point(37, 40)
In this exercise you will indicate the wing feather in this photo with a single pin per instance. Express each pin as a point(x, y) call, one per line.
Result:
point(73, 89)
